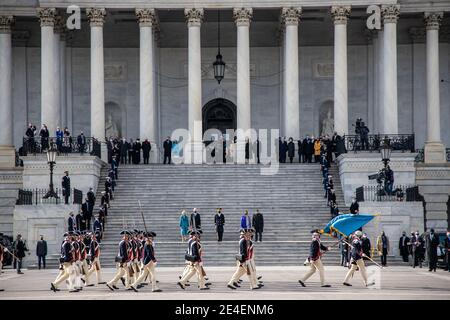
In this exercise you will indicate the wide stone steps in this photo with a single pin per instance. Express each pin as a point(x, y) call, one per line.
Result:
point(291, 200)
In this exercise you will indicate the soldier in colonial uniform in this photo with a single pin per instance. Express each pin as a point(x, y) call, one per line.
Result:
point(243, 264)
point(194, 258)
point(76, 261)
point(66, 268)
point(94, 255)
point(122, 260)
point(82, 258)
point(149, 264)
point(315, 262)
point(251, 260)
point(357, 261)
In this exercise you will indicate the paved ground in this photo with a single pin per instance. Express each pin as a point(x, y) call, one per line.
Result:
point(395, 282)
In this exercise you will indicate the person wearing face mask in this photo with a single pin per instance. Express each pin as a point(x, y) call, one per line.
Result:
point(41, 251)
point(432, 245)
point(447, 250)
point(383, 248)
point(354, 207)
point(417, 249)
point(315, 252)
point(403, 246)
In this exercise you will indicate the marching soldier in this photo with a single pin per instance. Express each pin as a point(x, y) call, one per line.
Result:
point(82, 260)
point(149, 264)
point(357, 261)
point(243, 264)
point(94, 254)
point(200, 248)
point(76, 261)
point(252, 259)
point(194, 258)
point(122, 260)
point(315, 253)
point(66, 268)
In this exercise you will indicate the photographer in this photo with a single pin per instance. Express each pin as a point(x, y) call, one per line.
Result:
point(389, 180)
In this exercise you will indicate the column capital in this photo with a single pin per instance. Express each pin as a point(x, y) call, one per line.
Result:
point(433, 20)
point(146, 17)
point(46, 16)
point(96, 16)
point(242, 16)
point(5, 24)
point(291, 15)
point(390, 13)
point(194, 16)
point(340, 14)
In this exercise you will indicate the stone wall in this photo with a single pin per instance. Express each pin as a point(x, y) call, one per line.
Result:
point(47, 220)
point(10, 183)
point(84, 172)
point(393, 218)
point(354, 169)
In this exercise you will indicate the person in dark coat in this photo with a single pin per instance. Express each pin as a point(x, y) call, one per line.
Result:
point(91, 202)
point(301, 156)
point(41, 251)
point(305, 145)
point(81, 141)
point(109, 147)
point(130, 151)
point(30, 138)
point(257, 148)
point(291, 149)
point(366, 246)
point(44, 134)
point(81, 222)
point(146, 148)
point(20, 248)
point(247, 150)
point(417, 249)
point(167, 147)
point(403, 246)
point(447, 250)
point(65, 184)
point(71, 223)
point(354, 207)
point(123, 149)
point(310, 149)
point(219, 222)
point(195, 221)
point(258, 225)
point(432, 245)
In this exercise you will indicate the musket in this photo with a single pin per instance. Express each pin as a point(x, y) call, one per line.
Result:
point(142, 214)
point(7, 250)
point(364, 255)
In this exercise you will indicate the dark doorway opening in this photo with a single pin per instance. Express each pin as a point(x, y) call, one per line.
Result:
point(219, 114)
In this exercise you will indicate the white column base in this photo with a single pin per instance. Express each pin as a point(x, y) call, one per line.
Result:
point(7, 157)
point(193, 153)
point(434, 152)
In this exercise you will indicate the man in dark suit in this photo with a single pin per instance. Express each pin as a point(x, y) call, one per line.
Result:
point(71, 223)
point(91, 201)
point(19, 250)
point(195, 221)
point(403, 245)
point(167, 146)
point(432, 244)
point(258, 225)
point(219, 221)
point(146, 147)
point(301, 157)
point(137, 146)
point(81, 141)
point(41, 251)
point(81, 221)
point(354, 207)
point(123, 148)
point(130, 151)
point(66, 187)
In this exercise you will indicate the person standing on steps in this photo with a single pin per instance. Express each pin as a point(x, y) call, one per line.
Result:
point(184, 226)
point(41, 251)
point(219, 222)
point(195, 222)
point(315, 254)
point(258, 225)
point(167, 147)
point(66, 187)
point(403, 246)
point(146, 148)
point(246, 222)
point(291, 149)
point(354, 207)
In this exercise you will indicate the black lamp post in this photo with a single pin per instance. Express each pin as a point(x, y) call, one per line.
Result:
point(385, 151)
point(51, 160)
point(219, 65)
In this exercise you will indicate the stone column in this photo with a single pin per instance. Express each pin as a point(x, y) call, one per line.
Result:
point(291, 114)
point(242, 17)
point(97, 19)
point(7, 154)
point(194, 151)
point(389, 123)
point(57, 30)
point(434, 149)
point(380, 109)
point(62, 75)
point(147, 107)
point(340, 16)
point(49, 111)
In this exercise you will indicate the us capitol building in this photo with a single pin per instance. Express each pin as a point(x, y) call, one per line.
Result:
point(144, 68)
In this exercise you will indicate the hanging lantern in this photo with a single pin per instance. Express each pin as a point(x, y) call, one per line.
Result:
point(219, 65)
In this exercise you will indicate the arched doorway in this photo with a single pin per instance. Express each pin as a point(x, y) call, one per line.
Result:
point(219, 114)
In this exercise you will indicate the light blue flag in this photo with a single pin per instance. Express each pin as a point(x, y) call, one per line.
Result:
point(347, 223)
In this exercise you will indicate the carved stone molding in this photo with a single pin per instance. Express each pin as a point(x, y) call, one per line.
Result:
point(5, 24)
point(390, 13)
point(46, 16)
point(340, 14)
point(146, 17)
point(194, 16)
point(96, 16)
point(433, 20)
point(242, 16)
point(291, 16)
